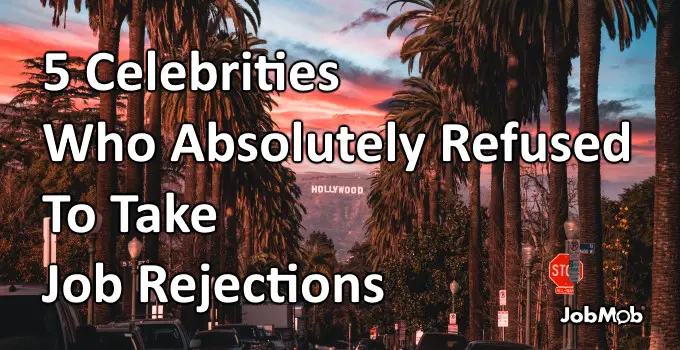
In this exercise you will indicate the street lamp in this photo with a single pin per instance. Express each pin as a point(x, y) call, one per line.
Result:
point(134, 248)
point(91, 248)
point(528, 254)
point(571, 229)
point(454, 287)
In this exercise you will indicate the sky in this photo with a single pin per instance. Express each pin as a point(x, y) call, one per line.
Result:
point(352, 32)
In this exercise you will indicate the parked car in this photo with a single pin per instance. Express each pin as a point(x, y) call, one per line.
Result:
point(248, 334)
point(274, 342)
point(119, 337)
point(165, 334)
point(219, 339)
point(370, 344)
point(27, 323)
point(496, 345)
point(441, 341)
point(288, 337)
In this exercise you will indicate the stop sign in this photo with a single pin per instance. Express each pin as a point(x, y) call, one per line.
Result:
point(559, 274)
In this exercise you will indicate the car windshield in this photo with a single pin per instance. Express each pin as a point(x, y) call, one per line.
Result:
point(442, 341)
point(246, 332)
point(27, 323)
point(161, 336)
point(115, 341)
point(286, 335)
point(217, 339)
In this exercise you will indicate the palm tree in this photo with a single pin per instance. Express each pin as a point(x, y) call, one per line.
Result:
point(398, 200)
point(159, 29)
point(134, 171)
point(591, 290)
point(666, 259)
point(460, 55)
point(106, 18)
point(199, 19)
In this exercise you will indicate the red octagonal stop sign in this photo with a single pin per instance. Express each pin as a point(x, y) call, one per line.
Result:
point(559, 274)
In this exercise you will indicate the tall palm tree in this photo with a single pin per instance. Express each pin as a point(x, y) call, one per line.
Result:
point(106, 18)
point(591, 290)
point(460, 53)
point(666, 259)
point(396, 197)
point(199, 19)
point(161, 33)
point(134, 171)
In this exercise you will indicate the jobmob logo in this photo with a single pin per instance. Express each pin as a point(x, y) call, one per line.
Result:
point(608, 314)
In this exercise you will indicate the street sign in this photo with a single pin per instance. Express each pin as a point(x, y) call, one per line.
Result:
point(453, 329)
point(574, 271)
point(374, 333)
point(452, 318)
point(559, 274)
point(502, 297)
point(396, 326)
point(503, 319)
point(587, 248)
point(574, 249)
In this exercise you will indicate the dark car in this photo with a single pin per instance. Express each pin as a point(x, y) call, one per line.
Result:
point(288, 337)
point(370, 344)
point(442, 341)
point(219, 339)
point(27, 323)
point(249, 335)
point(165, 334)
point(119, 337)
point(493, 345)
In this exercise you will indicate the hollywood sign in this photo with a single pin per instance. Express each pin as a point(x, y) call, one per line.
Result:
point(337, 189)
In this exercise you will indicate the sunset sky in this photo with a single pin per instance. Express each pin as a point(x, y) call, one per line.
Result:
point(352, 32)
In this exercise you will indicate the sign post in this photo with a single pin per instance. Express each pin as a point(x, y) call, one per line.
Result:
point(503, 319)
point(453, 326)
point(502, 297)
point(559, 269)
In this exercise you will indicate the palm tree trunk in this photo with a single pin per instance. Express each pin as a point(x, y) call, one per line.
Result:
point(557, 68)
point(666, 258)
point(421, 205)
point(512, 219)
point(475, 254)
point(231, 249)
point(202, 180)
point(216, 201)
point(134, 171)
point(153, 175)
point(496, 236)
point(107, 175)
point(591, 289)
point(246, 246)
point(432, 199)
